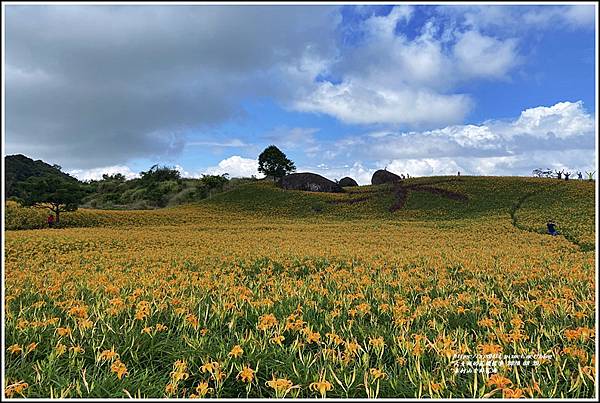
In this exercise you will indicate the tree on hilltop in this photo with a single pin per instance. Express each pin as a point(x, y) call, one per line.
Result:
point(159, 174)
point(274, 163)
point(118, 177)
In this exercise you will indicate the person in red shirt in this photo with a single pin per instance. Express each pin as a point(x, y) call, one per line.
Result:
point(50, 221)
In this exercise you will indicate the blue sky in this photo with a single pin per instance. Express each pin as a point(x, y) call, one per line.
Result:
point(342, 90)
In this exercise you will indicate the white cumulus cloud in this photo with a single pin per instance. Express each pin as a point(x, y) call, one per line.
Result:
point(483, 56)
point(389, 78)
point(96, 173)
point(523, 17)
point(557, 136)
point(236, 167)
point(356, 101)
point(424, 167)
point(357, 171)
point(563, 120)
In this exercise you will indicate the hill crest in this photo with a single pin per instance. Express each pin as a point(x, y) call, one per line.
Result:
point(19, 168)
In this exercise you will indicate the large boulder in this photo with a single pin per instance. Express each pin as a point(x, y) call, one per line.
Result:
point(347, 181)
point(309, 182)
point(383, 176)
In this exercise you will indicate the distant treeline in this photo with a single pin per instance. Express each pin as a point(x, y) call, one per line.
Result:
point(160, 186)
point(157, 187)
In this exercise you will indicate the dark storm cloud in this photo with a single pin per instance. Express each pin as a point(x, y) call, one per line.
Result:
point(98, 85)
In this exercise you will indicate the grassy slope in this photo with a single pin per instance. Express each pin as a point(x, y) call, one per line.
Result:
point(571, 206)
point(529, 201)
point(264, 198)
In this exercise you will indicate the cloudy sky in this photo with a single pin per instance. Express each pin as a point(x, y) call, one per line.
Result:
point(342, 90)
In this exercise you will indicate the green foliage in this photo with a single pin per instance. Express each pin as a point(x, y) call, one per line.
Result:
point(19, 168)
point(118, 177)
point(52, 192)
point(158, 192)
point(157, 187)
point(159, 174)
point(274, 163)
point(187, 195)
point(214, 181)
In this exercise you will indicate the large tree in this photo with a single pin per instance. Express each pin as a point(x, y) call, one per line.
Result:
point(273, 163)
point(159, 174)
point(51, 192)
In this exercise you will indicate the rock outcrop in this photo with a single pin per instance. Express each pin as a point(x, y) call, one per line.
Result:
point(347, 181)
point(383, 176)
point(309, 182)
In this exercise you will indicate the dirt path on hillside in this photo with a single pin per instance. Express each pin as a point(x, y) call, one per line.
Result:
point(401, 193)
point(403, 190)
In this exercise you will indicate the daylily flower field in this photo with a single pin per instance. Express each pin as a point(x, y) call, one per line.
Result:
point(440, 298)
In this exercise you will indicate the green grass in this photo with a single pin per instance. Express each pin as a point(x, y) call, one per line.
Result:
point(265, 198)
point(570, 205)
point(529, 202)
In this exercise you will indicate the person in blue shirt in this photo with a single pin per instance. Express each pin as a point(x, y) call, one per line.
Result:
point(552, 228)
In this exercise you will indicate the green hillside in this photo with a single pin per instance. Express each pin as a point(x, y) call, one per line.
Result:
point(156, 188)
point(526, 202)
point(19, 168)
point(266, 199)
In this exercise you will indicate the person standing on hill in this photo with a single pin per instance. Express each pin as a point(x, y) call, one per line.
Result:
point(50, 221)
point(552, 228)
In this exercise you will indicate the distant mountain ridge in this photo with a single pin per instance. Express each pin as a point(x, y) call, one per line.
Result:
point(19, 168)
